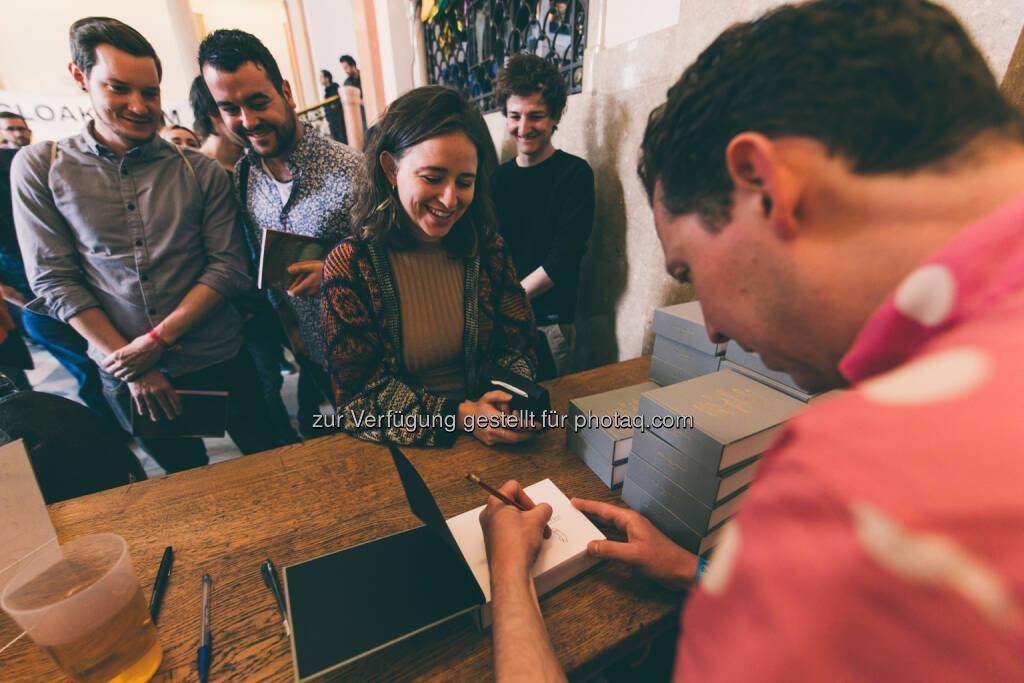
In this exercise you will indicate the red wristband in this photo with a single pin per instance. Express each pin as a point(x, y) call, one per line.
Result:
point(155, 336)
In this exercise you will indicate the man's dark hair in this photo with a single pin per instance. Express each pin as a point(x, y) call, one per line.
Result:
point(421, 114)
point(525, 75)
point(347, 59)
point(330, 76)
point(889, 85)
point(203, 107)
point(228, 49)
point(86, 34)
point(12, 115)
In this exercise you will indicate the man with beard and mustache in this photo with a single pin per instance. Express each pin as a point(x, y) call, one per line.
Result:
point(131, 240)
point(292, 178)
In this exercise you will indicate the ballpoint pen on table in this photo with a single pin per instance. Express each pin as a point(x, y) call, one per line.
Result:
point(270, 578)
point(160, 584)
point(205, 639)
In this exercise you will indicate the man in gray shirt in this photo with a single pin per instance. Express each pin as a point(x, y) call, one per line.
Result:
point(131, 240)
point(292, 178)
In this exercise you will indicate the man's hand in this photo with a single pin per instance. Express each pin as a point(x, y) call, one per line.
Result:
point(153, 395)
point(309, 278)
point(499, 426)
point(134, 358)
point(513, 537)
point(11, 295)
point(646, 548)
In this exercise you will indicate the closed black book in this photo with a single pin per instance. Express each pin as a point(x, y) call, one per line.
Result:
point(203, 414)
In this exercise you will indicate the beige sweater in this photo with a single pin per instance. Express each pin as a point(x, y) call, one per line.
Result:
point(430, 293)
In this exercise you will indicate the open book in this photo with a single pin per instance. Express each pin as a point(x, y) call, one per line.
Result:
point(561, 557)
point(350, 603)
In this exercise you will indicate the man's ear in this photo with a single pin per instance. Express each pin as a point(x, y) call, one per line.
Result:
point(286, 91)
point(755, 166)
point(390, 166)
point(79, 76)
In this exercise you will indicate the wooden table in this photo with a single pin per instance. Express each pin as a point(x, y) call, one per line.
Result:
point(301, 501)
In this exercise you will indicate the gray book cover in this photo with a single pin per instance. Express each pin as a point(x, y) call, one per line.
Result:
point(734, 418)
point(707, 486)
point(667, 523)
point(612, 442)
point(750, 360)
point(611, 475)
point(684, 324)
point(699, 517)
point(674, 362)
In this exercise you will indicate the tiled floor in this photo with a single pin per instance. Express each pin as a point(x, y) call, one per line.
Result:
point(50, 377)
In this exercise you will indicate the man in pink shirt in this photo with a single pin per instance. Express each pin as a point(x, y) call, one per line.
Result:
point(843, 184)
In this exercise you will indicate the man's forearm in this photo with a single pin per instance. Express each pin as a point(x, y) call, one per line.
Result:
point(200, 301)
point(95, 326)
point(537, 282)
point(522, 648)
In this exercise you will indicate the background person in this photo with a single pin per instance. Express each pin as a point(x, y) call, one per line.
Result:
point(545, 203)
point(132, 241)
point(427, 260)
point(181, 136)
point(14, 131)
point(878, 245)
point(292, 178)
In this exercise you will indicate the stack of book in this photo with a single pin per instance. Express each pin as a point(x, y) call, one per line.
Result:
point(691, 464)
point(600, 430)
point(749, 363)
point(682, 349)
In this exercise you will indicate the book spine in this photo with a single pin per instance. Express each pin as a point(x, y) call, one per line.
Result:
point(695, 443)
point(692, 512)
point(697, 480)
point(598, 463)
point(640, 500)
point(664, 372)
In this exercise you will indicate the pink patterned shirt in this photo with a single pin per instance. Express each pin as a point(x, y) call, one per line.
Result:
point(884, 536)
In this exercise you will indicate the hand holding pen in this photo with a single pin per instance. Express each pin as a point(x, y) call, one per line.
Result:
point(523, 503)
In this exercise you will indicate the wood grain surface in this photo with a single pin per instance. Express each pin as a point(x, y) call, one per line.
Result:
point(301, 501)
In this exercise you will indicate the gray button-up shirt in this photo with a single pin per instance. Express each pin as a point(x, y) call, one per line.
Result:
point(131, 235)
point(319, 206)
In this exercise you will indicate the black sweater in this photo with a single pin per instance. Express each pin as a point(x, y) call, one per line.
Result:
point(546, 213)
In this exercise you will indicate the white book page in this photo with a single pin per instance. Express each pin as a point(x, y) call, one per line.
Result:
point(560, 558)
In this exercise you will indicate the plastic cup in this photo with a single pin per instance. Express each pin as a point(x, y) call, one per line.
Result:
point(87, 612)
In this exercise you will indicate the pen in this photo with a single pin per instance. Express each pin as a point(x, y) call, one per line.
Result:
point(161, 582)
point(503, 498)
point(270, 578)
point(205, 640)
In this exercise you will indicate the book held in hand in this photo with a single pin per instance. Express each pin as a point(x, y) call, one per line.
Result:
point(281, 249)
point(203, 414)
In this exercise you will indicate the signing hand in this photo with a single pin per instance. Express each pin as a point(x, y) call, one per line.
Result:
point(490, 421)
point(309, 277)
point(133, 359)
point(153, 395)
point(647, 549)
point(513, 537)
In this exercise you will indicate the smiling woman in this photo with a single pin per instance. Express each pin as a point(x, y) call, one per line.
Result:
point(425, 293)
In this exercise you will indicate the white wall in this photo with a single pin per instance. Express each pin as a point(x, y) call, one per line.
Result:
point(331, 35)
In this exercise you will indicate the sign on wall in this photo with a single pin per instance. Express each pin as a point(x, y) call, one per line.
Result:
point(52, 117)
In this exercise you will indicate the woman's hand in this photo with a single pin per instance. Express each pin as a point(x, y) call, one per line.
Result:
point(488, 418)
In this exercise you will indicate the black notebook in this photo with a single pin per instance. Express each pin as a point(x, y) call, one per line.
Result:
point(350, 603)
point(203, 414)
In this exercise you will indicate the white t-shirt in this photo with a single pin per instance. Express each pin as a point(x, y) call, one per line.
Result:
point(283, 188)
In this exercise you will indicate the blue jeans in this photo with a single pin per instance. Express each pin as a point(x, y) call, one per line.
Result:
point(262, 338)
point(69, 348)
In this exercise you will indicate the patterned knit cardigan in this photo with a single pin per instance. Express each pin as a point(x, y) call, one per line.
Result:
point(362, 322)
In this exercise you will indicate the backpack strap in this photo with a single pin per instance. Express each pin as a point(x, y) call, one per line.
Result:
point(185, 159)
